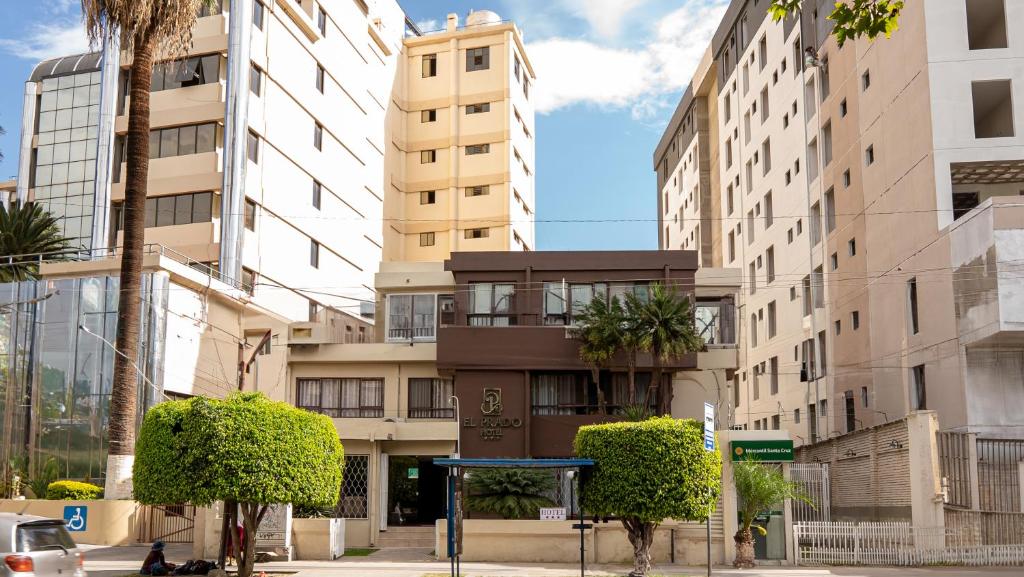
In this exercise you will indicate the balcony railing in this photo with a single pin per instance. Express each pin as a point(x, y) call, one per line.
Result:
point(415, 333)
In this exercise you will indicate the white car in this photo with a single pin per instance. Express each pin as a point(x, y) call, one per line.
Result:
point(32, 545)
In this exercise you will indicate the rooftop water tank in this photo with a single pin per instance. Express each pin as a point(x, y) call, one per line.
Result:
point(482, 18)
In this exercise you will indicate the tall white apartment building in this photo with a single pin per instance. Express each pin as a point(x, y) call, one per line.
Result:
point(872, 196)
point(267, 148)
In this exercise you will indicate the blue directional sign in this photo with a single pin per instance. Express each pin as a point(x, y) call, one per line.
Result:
point(709, 427)
point(76, 517)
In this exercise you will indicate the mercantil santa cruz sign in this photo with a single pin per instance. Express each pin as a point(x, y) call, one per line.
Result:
point(491, 424)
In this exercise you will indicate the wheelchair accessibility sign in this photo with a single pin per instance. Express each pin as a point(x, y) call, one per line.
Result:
point(76, 517)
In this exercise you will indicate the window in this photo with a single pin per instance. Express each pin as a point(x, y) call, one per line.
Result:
point(796, 416)
point(762, 52)
point(728, 106)
point(855, 320)
point(769, 217)
point(869, 155)
point(477, 233)
point(830, 210)
point(912, 305)
point(826, 85)
point(865, 80)
point(729, 199)
point(252, 147)
point(478, 58)
point(842, 108)
point(314, 253)
point(491, 304)
point(750, 227)
point(753, 277)
point(815, 223)
point(834, 261)
point(193, 71)
point(320, 78)
point(478, 108)
point(182, 140)
point(516, 66)
point(431, 399)
point(429, 65)
point(250, 214)
point(257, 14)
point(732, 246)
point(317, 190)
point(851, 419)
point(846, 178)
point(753, 336)
point(766, 153)
point(478, 190)
point(864, 400)
point(211, 9)
point(773, 373)
point(427, 197)
point(964, 202)
point(826, 144)
point(249, 286)
point(478, 149)
point(797, 58)
point(918, 392)
point(728, 152)
point(318, 136)
point(321, 20)
point(799, 226)
point(772, 328)
point(255, 79)
point(426, 239)
point(411, 317)
point(785, 120)
point(838, 327)
point(821, 358)
point(851, 247)
point(789, 236)
point(807, 295)
point(340, 398)
point(428, 156)
point(986, 24)
point(764, 105)
point(993, 109)
point(788, 177)
point(750, 176)
point(428, 115)
point(177, 209)
point(769, 257)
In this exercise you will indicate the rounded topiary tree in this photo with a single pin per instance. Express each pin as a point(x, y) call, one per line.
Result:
point(246, 449)
point(646, 472)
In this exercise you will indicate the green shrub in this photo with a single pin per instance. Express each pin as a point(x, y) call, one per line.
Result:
point(645, 472)
point(73, 491)
point(511, 493)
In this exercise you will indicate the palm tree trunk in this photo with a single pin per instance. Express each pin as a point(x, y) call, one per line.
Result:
point(656, 388)
point(124, 395)
point(631, 375)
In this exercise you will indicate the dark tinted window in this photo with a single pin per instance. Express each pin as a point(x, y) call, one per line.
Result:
point(41, 537)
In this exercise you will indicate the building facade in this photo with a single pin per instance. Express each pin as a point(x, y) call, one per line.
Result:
point(824, 153)
point(461, 156)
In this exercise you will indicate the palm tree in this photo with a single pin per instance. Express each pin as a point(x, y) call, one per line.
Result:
point(144, 27)
point(599, 327)
point(664, 326)
point(26, 229)
point(511, 493)
point(758, 488)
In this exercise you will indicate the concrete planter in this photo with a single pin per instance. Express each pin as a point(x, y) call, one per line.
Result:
point(106, 522)
point(318, 539)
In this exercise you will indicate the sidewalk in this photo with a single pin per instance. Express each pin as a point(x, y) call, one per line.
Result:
point(119, 561)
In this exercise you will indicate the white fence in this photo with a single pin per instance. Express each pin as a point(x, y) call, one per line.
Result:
point(813, 479)
point(897, 544)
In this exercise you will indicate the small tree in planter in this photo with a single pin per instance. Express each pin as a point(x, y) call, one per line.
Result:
point(511, 493)
point(246, 449)
point(646, 472)
point(758, 488)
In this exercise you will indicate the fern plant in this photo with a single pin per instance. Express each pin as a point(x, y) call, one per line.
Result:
point(511, 493)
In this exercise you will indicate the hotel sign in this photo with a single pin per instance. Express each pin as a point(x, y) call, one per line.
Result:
point(775, 451)
point(491, 423)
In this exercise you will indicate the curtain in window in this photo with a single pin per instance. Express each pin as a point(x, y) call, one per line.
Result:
point(399, 316)
point(423, 316)
point(330, 399)
point(480, 298)
point(372, 398)
point(419, 397)
point(443, 389)
point(349, 398)
point(309, 393)
point(556, 393)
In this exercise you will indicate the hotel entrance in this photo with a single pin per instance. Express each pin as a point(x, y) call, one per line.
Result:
point(415, 491)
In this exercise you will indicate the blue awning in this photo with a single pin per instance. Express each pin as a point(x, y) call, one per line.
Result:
point(532, 463)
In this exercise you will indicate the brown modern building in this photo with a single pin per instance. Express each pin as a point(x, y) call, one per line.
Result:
point(522, 388)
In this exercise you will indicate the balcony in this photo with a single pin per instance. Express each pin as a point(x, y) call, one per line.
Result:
point(988, 271)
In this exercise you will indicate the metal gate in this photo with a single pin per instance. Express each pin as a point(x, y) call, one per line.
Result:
point(813, 478)
point(168, 523)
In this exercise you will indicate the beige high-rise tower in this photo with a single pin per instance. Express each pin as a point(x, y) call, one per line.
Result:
point(460, 159)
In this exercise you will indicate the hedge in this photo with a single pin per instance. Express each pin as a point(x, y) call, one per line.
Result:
point(650, 470)
point(73, 491)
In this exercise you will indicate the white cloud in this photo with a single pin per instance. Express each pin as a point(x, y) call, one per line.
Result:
point(428, 25)
point(574, 71)
point(45, 41)
point(605, 17)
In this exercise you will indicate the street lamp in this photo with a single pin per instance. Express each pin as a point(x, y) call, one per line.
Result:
point(572, 486)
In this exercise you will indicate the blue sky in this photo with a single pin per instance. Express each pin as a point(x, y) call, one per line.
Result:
point(609, 75)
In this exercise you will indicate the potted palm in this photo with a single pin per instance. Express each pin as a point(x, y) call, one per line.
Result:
point(758, 488)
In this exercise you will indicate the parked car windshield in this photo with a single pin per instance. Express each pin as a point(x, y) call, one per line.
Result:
point(39, 537)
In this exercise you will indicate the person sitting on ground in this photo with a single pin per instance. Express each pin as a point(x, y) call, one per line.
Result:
point(155, 564)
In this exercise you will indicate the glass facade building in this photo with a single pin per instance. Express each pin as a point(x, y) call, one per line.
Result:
point(56, 369)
